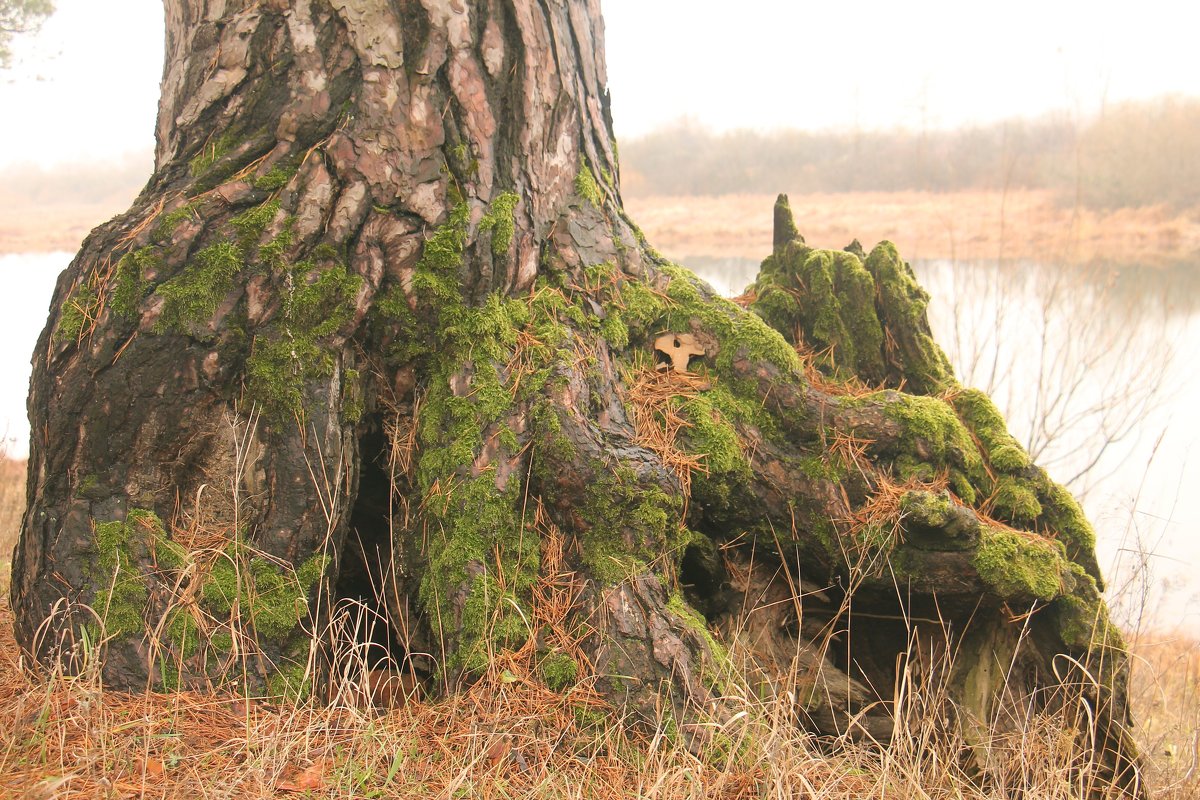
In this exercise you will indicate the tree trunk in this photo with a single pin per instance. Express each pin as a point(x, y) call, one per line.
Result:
point(379, 330)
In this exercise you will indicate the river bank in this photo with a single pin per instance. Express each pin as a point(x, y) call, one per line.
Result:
point(957, 226)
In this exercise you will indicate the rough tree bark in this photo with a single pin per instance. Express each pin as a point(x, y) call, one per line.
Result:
point(380, 318)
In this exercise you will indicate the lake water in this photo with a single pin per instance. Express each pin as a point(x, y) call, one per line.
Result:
point(1104, 360)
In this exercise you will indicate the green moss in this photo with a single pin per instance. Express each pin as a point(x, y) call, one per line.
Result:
point(785, 224)
point(640, 307)
point(273, 598)
point(1066, 517)
point(586, 186)
point(352, 397)
point(876, 537)
point(277, 602)
point(88, 486)
point(739, 334)
point(863, 319)
point(1081, 615)
point(1015, 502)
point(171, 555)
point(171, 220)
point(127, 289)
point(559, 671)
point(443, 250)
point(321, 301)
point(78, 311)
point(500, 221)
point(290, 353)
point(716, 670)
point(289, 682)
point(479, 548)
point(711, 436)
point(901, 304)
point(121, 594)
point(212, 152)
point(436, 290)
point(274, 252)
point(194, 295)
point(632, 526)
point(827, 298)
point(461, 161)
point(220, 589)
point(933, 423)
point(277, 371)
point(451, 427)
point(615, 331)
point(819, 468)
point(482, 560)
point(927, 508)
point(909, 468)
point(1070, 526)
point(981, 416)
point(1020, 567)
point(276, 178)
point(130, 286)
point(251, 223)
point(961, 486)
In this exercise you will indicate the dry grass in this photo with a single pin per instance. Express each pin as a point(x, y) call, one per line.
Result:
point(962, 226)
point(509, 736)
point(1165, 685)
point(12, 505)
point(655, 396)
point(506, 737)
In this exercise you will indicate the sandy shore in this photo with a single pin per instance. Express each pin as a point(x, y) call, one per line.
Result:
point(961, 225)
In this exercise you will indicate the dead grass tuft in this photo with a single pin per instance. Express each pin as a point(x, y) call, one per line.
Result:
point(12, 506)
point(510, 736)
point(656, 396)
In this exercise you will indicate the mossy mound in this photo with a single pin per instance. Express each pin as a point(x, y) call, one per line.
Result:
point(861, 317)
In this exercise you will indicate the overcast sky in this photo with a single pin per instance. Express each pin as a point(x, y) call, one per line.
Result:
point(87, 86)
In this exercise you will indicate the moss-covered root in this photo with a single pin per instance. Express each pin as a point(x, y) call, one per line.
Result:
point(914, 359)
point(824, 301)
point(1023, 494)
point(622, 510)
point(141, 577)
point(785, 224)
point(865, 320)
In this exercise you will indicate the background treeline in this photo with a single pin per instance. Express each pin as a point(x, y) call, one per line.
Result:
point(1132, 154)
